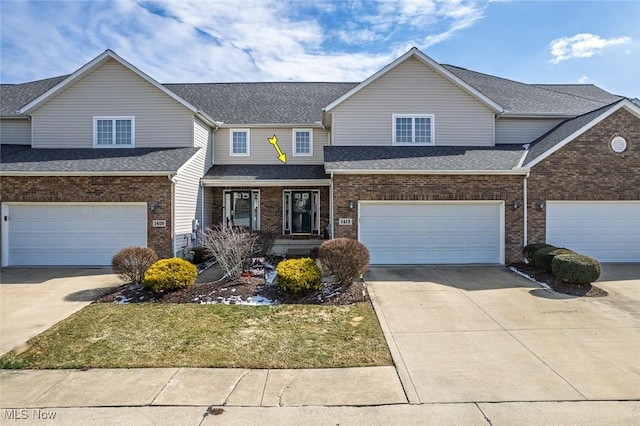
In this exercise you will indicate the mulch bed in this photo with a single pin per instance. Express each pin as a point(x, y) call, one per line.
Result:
point(238, 291)
point(558, 285)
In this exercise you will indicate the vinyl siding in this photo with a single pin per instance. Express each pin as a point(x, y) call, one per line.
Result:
point(66, 121)
point(523, 130)
point(412, 88)
point(15, 132)
point(188, 192)
point(262, 152)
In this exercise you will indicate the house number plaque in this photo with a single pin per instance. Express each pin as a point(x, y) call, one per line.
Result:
point(159, 223)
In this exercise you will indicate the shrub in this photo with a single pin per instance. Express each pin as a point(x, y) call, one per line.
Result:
point(264, 242)
point(543, 257)
point(576, 268)
point(530, 249)
point(345, 258)
point(169, 275)
point(132, 262)
point(296, 275)
point(200, 254)
point(230, 246)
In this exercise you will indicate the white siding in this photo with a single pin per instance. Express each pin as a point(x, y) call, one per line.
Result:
point(188, 192)
point(412, 88)
point(262, 152)
point(15, 132)
point(66, 121)
point(523, 130)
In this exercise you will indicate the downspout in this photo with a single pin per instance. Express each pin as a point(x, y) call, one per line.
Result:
point(173, 180)
point(331, 207)
point(526, 207)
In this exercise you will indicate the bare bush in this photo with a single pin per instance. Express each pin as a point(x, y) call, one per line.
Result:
point(230, 247)
point(132, 262)
point(264, 242)
point(346, 258)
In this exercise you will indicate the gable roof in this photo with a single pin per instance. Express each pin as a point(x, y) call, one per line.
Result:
point(23, 160)
point(423, 159)
point(414, 52)
point(15, 96)
point(568, 130)
point(587, 91)
point(528, 99)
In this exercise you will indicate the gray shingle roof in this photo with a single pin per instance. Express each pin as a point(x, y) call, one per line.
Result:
point(561, 132)
point(261, 103)
point(521, 98)
point(248, 172)
point(587, 91)
point(15, 96)
point(422, 158)
point(88, 160)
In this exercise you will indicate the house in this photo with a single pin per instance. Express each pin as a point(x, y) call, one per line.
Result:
point(422, 162)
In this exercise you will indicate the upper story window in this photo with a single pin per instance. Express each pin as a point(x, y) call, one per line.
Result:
point(412, 129)
point(303, 142)
point(239, 142)
point(114, 132)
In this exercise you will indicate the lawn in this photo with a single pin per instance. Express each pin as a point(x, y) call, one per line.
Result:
point(191, 335)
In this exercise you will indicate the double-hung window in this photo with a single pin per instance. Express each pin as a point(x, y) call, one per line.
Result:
point(413, 129)
point(114, 132)
point(303, 142)
point(239, 142)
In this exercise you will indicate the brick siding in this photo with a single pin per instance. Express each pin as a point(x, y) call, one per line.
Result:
point(99, 189)
point(587, 169)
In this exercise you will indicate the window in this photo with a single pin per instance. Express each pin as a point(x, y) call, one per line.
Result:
point(412, 129)
point(301, 212)
point(239, 142)
point(114, 132)
point(241, 208)
point(303, 142)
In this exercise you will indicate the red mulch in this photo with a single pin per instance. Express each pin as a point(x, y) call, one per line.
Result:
point(585, 290)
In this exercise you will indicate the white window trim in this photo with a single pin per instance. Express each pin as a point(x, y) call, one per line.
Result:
point(413, 128)
point(302, 154)
point(114, 118)
point(231, 153)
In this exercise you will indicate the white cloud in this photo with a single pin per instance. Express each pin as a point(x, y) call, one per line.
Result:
point(581, 46)
point(583, 80)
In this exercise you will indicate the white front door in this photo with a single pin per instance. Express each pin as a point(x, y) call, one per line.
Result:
point(432, 232)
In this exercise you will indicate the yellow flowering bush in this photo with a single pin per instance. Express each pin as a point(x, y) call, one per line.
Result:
point(296, 275)
point(169, 275)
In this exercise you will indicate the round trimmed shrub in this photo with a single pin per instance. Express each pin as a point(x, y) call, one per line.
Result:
point(576, 268)
point(168, 275)
point(298, 275)
point(131, 263)
point(530, 249)
point(543, 257)
point(345, 258)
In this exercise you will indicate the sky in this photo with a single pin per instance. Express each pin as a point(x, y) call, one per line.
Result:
point(188, 41)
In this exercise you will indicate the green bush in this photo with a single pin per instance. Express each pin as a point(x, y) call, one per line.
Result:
point(347, 259)
point(543, 257)
point(575, 268)
point(296, 275)
point(132, 262)
point(169, 275)
point(530, 249)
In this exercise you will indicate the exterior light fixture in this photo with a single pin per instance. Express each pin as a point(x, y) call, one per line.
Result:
point(351, 204)
point(516, 206)
point(541, 205)
point(153, 206)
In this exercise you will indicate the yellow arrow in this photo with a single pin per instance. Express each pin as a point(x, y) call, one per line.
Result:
point(281, 155)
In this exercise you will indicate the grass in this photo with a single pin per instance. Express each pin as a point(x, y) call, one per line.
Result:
point(186, 335)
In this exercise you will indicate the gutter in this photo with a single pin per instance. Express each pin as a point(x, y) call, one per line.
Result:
point(88, 173)
point(514, 171)
point(262, 183)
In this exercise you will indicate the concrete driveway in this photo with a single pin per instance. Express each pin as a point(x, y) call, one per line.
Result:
point(32, 300)
point(484, 334)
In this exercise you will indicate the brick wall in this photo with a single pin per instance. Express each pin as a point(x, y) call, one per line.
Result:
point(587, 169)
point(431, 188)
point(97, 189)
point(270, 207)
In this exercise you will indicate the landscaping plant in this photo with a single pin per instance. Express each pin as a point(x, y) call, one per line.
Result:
point(299, 275)
point(230, 246)
point(170, 274)
point(576, 268)
point(345, 258)
point(543, 257)
point(529, 250)
point(132, 262)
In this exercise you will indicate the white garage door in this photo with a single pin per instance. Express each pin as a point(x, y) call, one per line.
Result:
point(608, 231)
point(71, 234)
point(432, 233)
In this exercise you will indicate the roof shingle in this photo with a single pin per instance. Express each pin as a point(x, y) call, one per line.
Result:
point(256, 172)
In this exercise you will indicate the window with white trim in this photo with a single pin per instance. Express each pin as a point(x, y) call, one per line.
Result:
point(114, 132)
point(303, 142)
point(413, 129)
point(239, 142)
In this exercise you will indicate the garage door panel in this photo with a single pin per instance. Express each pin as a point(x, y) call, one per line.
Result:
point(433, 232)
point(73, 234)
point(608, 231)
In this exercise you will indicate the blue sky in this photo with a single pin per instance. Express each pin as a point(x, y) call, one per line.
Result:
point(333, 40)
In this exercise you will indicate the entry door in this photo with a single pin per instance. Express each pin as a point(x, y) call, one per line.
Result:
point(301, 220)
point(242, 208)
point(301, 212)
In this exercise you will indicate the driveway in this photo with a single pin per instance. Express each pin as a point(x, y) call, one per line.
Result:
point(32, 300)
point(485, 334)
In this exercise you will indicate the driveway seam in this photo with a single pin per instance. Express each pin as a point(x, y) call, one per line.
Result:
point(165, 386)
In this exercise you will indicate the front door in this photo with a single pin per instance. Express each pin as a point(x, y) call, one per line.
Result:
point(301, 212)
point(241, 208)
point(301, 209)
